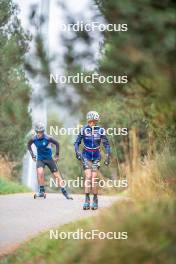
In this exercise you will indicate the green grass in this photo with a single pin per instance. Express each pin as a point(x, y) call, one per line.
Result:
point(7, 187)
point(151, 238)
point(43, 250)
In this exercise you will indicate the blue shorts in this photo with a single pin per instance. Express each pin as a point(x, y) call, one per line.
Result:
point(94, 165)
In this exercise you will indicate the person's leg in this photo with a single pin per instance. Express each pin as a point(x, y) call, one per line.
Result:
point(87, 189)
point(54, 170)
point(87, 182)
point(95, 190)
point(41, 179)
point(95, 182)
point(40, 175)
point(95, 179)
point(88, 175)
point(87, 185)
point(60, 182)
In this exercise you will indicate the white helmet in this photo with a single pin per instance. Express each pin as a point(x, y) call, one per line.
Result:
point(39, 127)
point(93, 115)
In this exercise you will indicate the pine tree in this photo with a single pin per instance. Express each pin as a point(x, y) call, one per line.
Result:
point(15, 90)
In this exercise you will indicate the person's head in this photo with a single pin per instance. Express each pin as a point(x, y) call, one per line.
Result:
point(92, 118)
point(39, 129)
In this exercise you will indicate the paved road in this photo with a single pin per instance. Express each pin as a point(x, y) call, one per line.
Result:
point(22, 217)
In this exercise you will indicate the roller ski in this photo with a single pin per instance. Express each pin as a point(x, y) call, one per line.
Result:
point(40, 195)
point(95, 204)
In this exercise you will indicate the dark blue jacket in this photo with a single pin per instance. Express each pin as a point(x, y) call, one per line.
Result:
point(43, 145)
point(92, 138)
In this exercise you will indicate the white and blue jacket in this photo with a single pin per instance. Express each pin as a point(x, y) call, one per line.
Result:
point(92, 138)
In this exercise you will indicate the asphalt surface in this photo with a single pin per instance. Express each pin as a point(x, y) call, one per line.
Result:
point(22, 217)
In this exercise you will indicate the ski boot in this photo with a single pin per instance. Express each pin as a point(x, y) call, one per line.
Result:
point(40, 194)
point(94, 204)
point(65, 193)
point(86, 205)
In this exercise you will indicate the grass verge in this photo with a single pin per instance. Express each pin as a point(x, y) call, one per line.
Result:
point(7, 187)
point(148, 218)
point(151, 238)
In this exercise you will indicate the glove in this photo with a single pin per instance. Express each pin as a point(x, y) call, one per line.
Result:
point(78, 155)
point(107, 160)
point(56, 158)
point(34, 158)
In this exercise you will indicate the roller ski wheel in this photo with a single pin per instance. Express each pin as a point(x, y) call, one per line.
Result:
point(40, 195)
point(86, 206)
point(94, 206)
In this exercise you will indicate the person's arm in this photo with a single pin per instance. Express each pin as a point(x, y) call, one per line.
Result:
point(30, 142)
point(56, 143)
